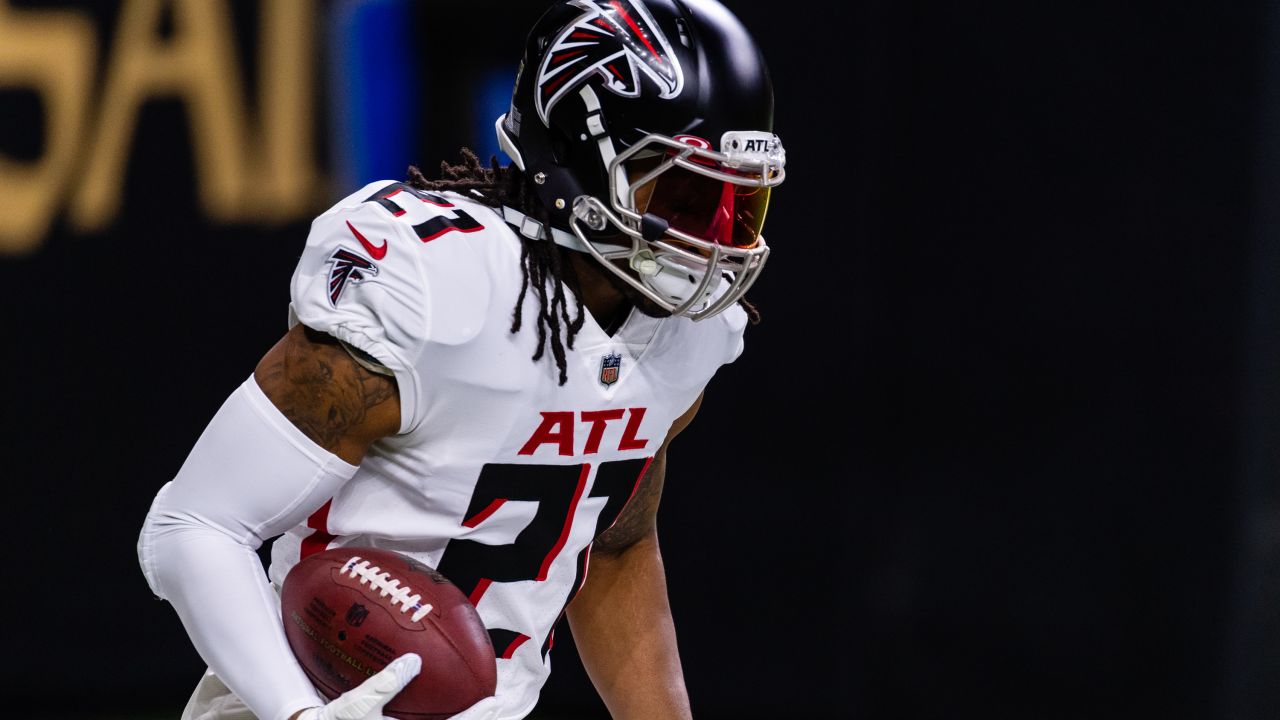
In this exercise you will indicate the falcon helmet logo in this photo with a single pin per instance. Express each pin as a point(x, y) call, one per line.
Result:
point(616, 39)
point(610, 366)
point(347, 267)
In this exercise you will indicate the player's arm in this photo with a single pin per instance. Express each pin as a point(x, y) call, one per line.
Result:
point(621, 619)
point(336, 401)
point(279, 447)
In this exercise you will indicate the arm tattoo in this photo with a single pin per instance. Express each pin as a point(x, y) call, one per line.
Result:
point(639, 518)
point(321, 388)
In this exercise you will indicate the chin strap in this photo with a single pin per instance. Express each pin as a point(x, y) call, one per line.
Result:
point(534, 230)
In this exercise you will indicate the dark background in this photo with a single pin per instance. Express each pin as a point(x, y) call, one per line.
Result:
point(1005, 444)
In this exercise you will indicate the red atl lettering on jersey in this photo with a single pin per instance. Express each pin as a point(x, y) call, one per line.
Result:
point(598, 420)
point(557, 429)
point(629, 440)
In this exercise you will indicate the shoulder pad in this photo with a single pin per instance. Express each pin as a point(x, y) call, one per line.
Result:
point(450, 232)
point(358, 279)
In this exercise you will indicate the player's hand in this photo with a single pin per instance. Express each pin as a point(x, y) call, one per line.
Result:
point(365, 701)
point(486, 709)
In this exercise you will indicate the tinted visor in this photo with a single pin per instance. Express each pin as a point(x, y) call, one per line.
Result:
point(706, 208)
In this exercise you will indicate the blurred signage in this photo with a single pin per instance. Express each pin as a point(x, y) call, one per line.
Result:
point(247, 161)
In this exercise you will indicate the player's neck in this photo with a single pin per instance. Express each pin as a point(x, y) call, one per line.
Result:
point(607, 305)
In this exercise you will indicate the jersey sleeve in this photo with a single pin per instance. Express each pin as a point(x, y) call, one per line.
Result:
point(358, 280)
point(390, 270)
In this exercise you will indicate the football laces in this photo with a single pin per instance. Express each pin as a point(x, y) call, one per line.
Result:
point(387, 587)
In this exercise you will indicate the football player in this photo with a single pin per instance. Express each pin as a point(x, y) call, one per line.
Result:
point(485, 372)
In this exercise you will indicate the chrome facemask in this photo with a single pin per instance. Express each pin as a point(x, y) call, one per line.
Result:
point(685, 274)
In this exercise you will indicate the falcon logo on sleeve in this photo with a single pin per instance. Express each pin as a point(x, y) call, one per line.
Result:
point(617, 39)
point(347, 267)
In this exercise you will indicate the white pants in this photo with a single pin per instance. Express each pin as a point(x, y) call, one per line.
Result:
point(213, 700)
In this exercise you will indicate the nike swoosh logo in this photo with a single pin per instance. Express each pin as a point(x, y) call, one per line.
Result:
point(377, 252)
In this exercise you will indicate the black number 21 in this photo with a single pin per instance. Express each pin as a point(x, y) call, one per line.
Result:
point(446, 216)
point(557, 489)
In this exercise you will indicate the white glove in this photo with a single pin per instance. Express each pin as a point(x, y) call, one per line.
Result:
point(365, 701)
point(486, 709)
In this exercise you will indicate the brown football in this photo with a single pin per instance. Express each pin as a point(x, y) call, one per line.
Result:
point(350, 611)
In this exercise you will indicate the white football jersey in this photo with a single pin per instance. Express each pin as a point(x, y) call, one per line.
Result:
point(500, 477)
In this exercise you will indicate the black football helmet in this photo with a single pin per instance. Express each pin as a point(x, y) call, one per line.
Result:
point(647, 129)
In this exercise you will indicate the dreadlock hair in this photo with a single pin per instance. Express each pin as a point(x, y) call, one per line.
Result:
point(541, 261)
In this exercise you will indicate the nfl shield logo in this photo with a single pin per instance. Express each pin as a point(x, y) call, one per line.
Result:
point(357, 614)
point(609, 368)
